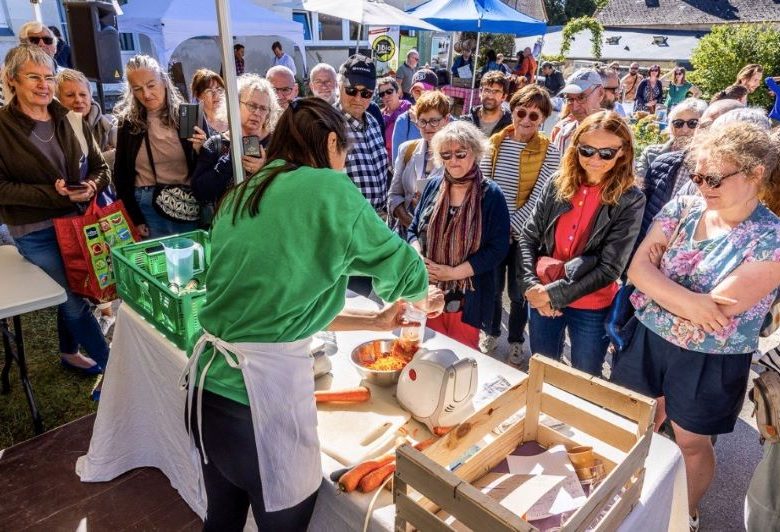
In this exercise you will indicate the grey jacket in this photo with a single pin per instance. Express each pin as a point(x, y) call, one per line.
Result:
point(406, 175)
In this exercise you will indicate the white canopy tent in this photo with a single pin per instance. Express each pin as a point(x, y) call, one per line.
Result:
point(168, 23)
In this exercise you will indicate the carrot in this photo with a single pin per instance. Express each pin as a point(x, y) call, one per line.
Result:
point(349, 480)
point(361, 394)
point(375, 478)
point(421, 446)
point(441, 431)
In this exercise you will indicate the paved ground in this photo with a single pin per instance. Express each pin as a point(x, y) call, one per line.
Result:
point(722, 510)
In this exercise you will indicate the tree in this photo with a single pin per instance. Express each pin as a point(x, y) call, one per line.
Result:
point(502, 43)
point(560, 11)
point(721, 54)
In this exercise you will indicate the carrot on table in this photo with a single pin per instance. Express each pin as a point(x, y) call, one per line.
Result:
point(421, 446)
point(374, 479)
point(361, 394)
point(441, 431)
point(349, 480)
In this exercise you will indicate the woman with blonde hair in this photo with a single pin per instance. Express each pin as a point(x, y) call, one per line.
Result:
point(706, 275)
point(578, 241)
point(750, 76)
point(461, 228)
point(415, 162)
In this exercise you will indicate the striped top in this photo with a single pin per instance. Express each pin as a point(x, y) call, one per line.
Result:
point(506, 176)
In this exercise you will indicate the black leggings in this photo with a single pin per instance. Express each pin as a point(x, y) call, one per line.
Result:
point(232, 476)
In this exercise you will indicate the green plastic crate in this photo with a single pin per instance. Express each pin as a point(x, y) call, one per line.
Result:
point(142, 283)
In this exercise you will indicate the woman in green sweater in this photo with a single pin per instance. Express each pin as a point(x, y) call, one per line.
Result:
point(284, 244)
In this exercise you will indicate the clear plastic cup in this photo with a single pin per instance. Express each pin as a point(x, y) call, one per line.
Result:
point(412, 334)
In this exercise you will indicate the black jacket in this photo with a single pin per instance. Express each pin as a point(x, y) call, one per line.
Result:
point(127, 146)
point(504, 121)
point(659, 185)
point(554, 82)
point(605, 255)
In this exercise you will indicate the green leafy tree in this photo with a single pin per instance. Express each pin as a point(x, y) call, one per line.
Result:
point(502, 43)
point(560, 11)
point(721, 54)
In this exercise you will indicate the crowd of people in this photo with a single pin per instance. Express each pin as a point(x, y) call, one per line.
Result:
point(374, 184)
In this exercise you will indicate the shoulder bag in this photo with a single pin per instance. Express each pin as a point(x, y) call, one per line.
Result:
point(173, 202)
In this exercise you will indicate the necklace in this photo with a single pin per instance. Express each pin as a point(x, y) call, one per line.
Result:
point(45, 141)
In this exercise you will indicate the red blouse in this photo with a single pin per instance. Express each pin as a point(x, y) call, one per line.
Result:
point(572, 230)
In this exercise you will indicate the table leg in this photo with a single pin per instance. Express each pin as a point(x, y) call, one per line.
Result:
point(17, 352)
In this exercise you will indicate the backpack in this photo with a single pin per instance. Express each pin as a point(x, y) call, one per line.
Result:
point(409, 151)
point(766, 397)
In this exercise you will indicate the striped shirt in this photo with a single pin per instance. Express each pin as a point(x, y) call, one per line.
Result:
point(506, 177)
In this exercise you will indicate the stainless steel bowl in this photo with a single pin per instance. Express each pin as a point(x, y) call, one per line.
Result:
point(364, 353)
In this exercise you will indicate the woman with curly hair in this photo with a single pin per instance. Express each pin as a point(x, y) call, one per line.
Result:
point(579, 240)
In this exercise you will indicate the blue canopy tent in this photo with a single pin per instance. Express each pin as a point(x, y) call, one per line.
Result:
point(491, 16)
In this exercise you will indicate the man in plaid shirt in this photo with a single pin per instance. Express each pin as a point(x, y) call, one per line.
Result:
point(367, 163)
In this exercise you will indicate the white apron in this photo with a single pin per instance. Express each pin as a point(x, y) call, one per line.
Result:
point(280, 384)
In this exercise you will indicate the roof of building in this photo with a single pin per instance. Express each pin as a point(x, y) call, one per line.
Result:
point(532, 8)
point(622, 44)
point(685, 12)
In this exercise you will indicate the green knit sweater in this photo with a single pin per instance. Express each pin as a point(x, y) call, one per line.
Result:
point(281, 276)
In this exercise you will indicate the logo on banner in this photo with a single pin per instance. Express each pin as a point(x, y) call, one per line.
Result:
point(384, 48)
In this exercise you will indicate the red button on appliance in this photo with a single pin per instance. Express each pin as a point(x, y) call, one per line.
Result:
point(412, 374)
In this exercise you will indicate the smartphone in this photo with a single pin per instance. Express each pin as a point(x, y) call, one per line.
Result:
point(76, 186)
point(251, 145)
point(190, 115)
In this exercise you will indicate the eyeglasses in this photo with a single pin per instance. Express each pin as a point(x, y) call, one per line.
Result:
point(460, 155)
point(354, 91)
point(37, 40)
point(214, 92)
point(713, 181)
point(579, 98)
point(611, 89)
point(491, 92)
point(692, 123)
point(605, 154)
point(324, 82)
point(37, 78)
point(533, 116)
point(285, 91)
point(386, 92)
point(254, 108)
point(633, 70)
point(433, 122)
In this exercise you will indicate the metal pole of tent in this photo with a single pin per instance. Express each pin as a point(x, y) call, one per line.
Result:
point(474, 56)
point(36, 5)
point(231, 85)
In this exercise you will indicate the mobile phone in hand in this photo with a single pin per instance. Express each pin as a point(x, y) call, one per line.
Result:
point(251, 145)
point(190, 115)
point(76, 186)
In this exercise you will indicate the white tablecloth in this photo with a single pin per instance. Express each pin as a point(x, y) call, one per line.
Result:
point(140, 423)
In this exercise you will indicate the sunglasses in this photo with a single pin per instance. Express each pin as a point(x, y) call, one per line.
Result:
point(712, 181)
point(611, 89)
point(37, 40)
point(605, 154)
point(433, 122)
point(692, 123)
point(383, 93)
point(364, 93)
point(460, 155)
point(533, 116)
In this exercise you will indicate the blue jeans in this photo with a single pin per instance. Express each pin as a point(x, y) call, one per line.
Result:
point(75, 323)
point(159, 226)
point(588, 336)
point(506, 274)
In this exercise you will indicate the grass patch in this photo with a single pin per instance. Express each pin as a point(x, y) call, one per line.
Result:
point(62, 395)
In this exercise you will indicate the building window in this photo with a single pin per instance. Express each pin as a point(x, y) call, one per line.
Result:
point(127, 42)
point(353, 31)
point(330, 28)
point(303, 18)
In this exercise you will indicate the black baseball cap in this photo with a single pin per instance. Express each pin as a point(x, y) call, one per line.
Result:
point(359, 70)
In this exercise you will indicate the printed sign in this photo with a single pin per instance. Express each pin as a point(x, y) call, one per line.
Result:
point(384, 46)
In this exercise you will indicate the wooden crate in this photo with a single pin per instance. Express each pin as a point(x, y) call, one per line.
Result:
point(590, 417)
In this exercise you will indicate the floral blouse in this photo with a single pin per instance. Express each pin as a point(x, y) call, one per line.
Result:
point(701, 265)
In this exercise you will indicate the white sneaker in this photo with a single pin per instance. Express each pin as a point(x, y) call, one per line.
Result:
point(515, 353)
point(693, 522)
point(487, 343)
point(105, 323)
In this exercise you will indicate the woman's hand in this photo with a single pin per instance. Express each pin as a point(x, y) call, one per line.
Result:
point(252, 164)
point(198, 139)
point(656, 253)
point(704, 311)
point(538, 297)
point(143, 230)
point(433, 305)
point(76, 195)
point(439, 272)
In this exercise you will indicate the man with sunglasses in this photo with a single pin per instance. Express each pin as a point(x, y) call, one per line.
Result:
point(491, 117)
point(283, 81)
point(37, 34)
point(629, 84)
point(583, 93)
point(611, 85)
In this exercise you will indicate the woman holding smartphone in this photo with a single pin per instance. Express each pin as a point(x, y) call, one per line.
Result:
point(150, 154)
point(259, 112)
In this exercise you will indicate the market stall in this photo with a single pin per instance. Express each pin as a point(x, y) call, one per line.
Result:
point(140, 423)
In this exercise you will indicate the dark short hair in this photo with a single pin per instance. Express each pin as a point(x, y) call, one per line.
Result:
point(276, 45)
point(238, 46)
point(202, 80)
point(388, 80)
point(494, 77)
point(532, 95)
point(732, 92)
point(547, 64)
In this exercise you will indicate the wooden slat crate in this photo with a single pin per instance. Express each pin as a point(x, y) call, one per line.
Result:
point(616, 422)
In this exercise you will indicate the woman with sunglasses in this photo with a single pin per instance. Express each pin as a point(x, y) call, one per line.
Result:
point(706, 274)
point(461, 228)
point(521, 161)
point(679, 89)
point(683, 120)
point(649, 92)
point(415, 164)
point(393, 106)
point(578, 241)
point(208, 89)
point(258, 111)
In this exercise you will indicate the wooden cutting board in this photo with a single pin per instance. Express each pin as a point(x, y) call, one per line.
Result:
point(352, 433)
